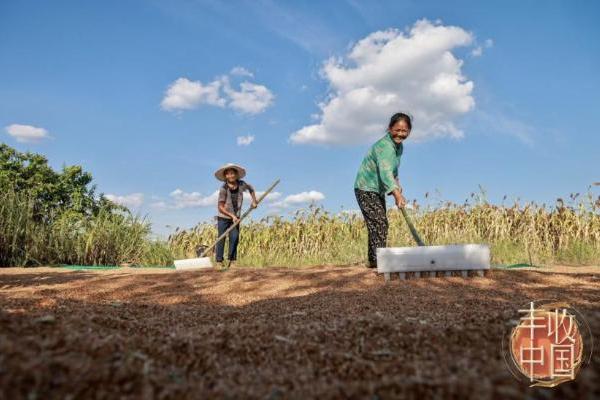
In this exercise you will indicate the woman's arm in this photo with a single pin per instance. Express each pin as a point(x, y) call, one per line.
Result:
point(223, 210)
point(250, 189)
point(385, 160)
point(399, 198)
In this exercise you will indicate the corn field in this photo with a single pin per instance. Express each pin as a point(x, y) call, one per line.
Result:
point(531, 233)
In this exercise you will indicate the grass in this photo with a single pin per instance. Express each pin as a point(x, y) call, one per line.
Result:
point(29, 237)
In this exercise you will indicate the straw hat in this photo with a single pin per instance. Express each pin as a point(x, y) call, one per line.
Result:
point(220, 173)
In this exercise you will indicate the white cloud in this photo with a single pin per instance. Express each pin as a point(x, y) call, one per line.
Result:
point(133, 200)
point(27, 133)
point(241, 71)
point(251, 99)
point(184, 200)
point(161, 205)
point(304, 197)
point(245, 140)
point(390, 71)
point(299, 198)
point(181, 199)
point(184, 94)
point(270, 197)
point(478, 51)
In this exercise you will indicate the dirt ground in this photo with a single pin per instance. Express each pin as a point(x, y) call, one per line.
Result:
point(324, 332)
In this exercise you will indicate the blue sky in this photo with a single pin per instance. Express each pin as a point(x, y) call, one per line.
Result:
point(152, 96)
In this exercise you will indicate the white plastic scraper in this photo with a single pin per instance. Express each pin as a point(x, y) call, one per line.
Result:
point(193, 263)
point(448, 258)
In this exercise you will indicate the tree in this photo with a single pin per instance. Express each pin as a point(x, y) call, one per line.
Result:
point(53, 192)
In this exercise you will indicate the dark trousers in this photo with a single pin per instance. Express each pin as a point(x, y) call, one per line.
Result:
point(234, 236)
point(372, 206)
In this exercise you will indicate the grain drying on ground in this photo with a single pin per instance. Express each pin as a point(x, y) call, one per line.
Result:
point(321, 332)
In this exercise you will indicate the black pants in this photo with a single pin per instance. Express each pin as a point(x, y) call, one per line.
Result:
point(234, 236)
point(372, 206)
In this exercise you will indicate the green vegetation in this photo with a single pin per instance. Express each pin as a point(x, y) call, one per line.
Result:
point(49, 217)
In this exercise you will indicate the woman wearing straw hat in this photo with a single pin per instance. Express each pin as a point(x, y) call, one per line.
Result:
point(229, 208)
point(377, 177)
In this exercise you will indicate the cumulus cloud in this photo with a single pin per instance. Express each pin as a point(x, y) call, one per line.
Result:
point(245, 140)
point(270, 197)
point(241, 71)
point(179, 199)
point(183, 199)
point(390, 71)
point(249, 98)
point(299, 198)
point(133, 200)
point(184, 94)
point(27, 133)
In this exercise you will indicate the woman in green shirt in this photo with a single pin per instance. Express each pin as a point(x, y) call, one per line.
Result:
point(377, 177)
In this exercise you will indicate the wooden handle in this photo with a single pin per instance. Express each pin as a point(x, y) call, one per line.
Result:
point(411, 227)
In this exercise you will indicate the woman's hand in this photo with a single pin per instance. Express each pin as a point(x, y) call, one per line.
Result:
point(254, 204)
point(400, 200)
point(235, 219)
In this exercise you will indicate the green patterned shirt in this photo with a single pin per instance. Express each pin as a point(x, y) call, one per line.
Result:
point(379, 169)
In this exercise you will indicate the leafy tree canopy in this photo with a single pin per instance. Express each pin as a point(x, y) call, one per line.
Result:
point(70, 189)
